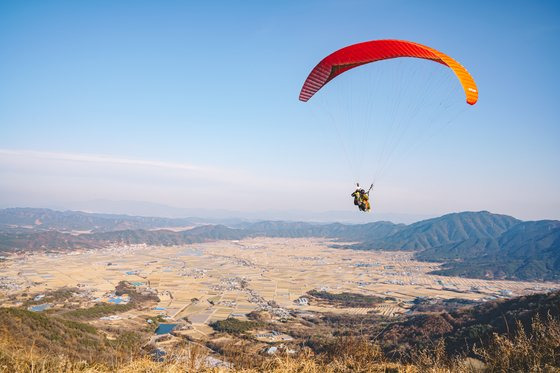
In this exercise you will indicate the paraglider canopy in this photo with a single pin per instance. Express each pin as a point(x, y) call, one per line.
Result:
point(383, 112)
point(370, 51)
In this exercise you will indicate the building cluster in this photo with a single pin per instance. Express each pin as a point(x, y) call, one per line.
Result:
point(274, 310)
point(10, 284)
point(302, 301)
point(195, 273)
point(365, 265)
point(230, 284)
point(228, 303)
point(274, 336)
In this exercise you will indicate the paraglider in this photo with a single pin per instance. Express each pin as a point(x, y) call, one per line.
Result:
point(360, 54)
point(361, 198)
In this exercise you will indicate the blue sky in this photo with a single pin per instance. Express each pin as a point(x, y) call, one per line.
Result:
point(194, 104)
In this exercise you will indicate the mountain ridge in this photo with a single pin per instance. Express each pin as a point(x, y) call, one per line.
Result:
point(446, 229)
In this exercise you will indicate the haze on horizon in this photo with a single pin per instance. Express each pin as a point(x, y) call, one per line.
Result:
point(195, 106)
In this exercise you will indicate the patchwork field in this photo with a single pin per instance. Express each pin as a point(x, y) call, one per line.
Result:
point(213, 281)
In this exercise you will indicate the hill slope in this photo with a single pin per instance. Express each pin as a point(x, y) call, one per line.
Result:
point(464, 327)
point(517, 335)
point(48, 335)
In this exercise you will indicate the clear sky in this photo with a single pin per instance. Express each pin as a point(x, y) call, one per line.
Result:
point(194, 104)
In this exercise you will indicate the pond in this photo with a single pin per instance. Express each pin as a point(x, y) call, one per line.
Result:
point(39, 307)
point(165, 328)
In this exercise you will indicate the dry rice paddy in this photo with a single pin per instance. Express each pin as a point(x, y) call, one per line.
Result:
point(215, 280)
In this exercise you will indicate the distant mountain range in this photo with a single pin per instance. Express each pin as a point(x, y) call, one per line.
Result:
point(24, 219)
point(470, 244)
point(224, 216)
